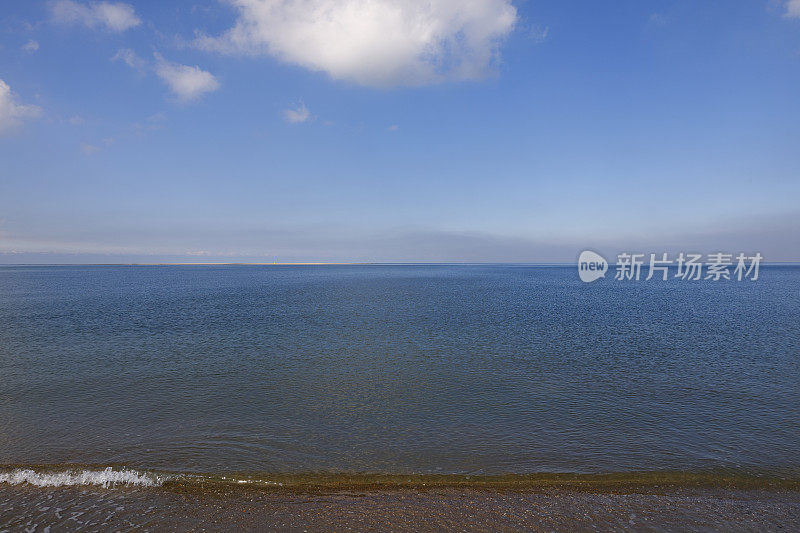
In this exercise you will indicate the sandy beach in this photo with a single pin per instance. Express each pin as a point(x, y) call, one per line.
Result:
point(680, 509)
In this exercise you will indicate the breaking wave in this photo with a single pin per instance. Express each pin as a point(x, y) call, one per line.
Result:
point(123, 476)
point(107, 477)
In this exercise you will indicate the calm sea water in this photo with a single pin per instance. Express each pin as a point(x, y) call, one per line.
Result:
point(397, 369)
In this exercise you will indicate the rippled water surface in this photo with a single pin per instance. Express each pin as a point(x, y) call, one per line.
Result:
point(399, 369)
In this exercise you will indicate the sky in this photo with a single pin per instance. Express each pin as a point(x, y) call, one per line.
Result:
point(397, 130)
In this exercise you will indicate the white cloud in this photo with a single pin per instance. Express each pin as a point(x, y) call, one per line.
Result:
point(297, 115)
point(374, 42)
point(129, 57)
point(393, 127)
point(188, 83)
point(30, 47)
point(115, 16)
point(792, 9)
point(12, 114)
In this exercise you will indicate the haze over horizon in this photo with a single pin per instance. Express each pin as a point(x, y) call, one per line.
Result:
point(396, 130)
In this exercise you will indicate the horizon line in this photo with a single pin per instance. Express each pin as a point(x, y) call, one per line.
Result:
point(345, 263)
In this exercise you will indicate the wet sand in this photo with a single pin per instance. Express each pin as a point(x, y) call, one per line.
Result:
point(120, 509)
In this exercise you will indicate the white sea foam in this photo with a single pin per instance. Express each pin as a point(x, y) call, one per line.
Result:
point(104, 478)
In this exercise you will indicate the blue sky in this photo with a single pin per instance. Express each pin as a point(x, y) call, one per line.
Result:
point(322, 130)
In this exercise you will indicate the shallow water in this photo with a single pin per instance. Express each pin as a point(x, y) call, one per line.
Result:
point(397, 369)
point(92, 509)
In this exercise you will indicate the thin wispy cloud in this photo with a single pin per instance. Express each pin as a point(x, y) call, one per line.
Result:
point(12, 112)
point(792, 9)
point(657, 19)
point(187, 83)
point(374, 42)
point(157, 118)
point(110, 16)
point(297, 114)
point(89, 149)
point(30, 47)
point(539, 33)
point(129, 57)
point(154, 122)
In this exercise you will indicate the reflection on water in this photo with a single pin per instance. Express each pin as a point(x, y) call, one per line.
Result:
point(431, 369)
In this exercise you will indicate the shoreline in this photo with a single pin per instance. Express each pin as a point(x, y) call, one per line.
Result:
point(436, 509)
point(125, 476)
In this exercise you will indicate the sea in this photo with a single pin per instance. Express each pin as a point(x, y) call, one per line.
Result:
point(181, 379)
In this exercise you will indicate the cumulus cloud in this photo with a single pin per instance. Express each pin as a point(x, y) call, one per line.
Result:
point(374, 42)
point(30, 47)
point(12, 113)
point(186, 82)
point(297, 115)
point(115, 16)
point(792, 9)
